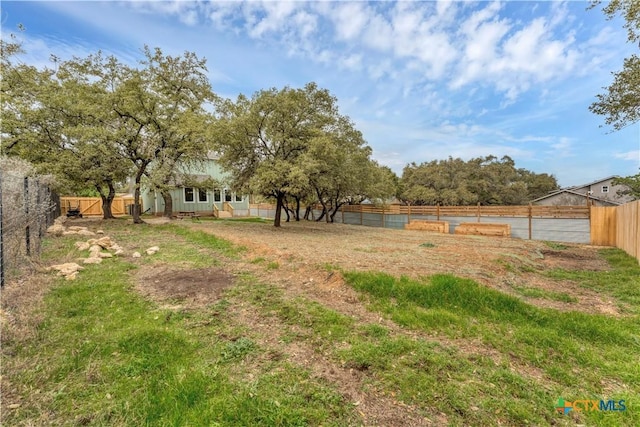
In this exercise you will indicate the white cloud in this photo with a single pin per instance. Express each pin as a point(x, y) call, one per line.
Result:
point(633, 155)
point(349, 19)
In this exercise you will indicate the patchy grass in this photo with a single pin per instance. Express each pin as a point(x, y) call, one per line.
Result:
point(574, 354)
point(103, 355)
point(100, 354)
point(556, 245)
point(621, 282)
point(545, 294)
point(427, 245)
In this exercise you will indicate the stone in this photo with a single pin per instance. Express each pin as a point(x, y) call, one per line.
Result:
point(95, 249)
point(82, 246)
point(136, 255)
point(105, 255)
point(92, 260)
point(56, 229)
point(105, 242)
point(152, 250)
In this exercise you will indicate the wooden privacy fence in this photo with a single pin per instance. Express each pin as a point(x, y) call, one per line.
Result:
point(557, 223)
point(617, 226)
point(92, 206)
point(628, 228)
point(533, 211)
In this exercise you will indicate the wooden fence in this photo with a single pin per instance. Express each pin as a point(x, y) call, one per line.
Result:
point(92, 206)
point(531, 211)
point(617, 226)
point(534, 222)
point(628, 228)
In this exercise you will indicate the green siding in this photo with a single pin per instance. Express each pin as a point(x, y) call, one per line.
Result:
point(155, 203)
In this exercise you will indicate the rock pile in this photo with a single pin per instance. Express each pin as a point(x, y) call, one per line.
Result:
point(101, 248)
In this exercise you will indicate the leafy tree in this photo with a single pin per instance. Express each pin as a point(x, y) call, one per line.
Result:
point(633, 184)
point(485, 180)
point(620, 104)
point(157, 115)
point(261, 140)
point(55, 118)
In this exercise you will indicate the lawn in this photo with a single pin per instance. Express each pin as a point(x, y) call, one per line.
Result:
point(240, 324)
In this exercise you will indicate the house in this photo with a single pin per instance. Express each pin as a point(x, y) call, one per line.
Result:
point(599, 193)
point(198, 192)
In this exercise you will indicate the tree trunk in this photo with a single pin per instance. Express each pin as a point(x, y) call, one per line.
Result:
point(335, 211)
point(168, 203)
point(107, 201)
point(307, 212)
point(136, 198)
point(297, 208)
point(279, 204)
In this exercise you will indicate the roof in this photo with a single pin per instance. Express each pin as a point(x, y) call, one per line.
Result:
point(594, 182)
point(567, 190)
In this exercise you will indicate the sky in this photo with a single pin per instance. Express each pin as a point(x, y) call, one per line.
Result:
point(422, 80)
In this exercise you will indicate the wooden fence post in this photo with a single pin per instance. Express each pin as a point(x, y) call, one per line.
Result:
point(478, 212)
point(342, 212)
point(382, 216)
point(409, 215)
point(438, 211)
point(361, 221)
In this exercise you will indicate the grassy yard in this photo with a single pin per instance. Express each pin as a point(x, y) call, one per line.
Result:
point(445, 349)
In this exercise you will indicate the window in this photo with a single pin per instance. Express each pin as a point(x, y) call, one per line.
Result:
point(238, 197)
point(605, 188)
point(227, 195)
point(189, 196)
point(202, 196)
point(217, 195)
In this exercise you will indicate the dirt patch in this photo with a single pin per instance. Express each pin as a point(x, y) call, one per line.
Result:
point(183, 287)
point(574, 258)
point(305, 251)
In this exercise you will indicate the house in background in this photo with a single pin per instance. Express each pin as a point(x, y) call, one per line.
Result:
point(599, 193)
point(204, 199)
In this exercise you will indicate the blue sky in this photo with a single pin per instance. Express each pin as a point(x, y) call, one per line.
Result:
point(421, 80)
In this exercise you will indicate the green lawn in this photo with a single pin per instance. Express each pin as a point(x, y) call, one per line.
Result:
point(101, 354)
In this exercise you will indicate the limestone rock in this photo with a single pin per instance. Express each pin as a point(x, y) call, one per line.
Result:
point(152, 250)
point(82, 246)
point(136, 255)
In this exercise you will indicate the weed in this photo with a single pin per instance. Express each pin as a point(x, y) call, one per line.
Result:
point(555, 245)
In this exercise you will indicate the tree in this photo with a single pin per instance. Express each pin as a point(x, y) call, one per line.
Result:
point(261, 140)
point(620, 104)
point(55, 119)
point(158, 116)
point(338, 167)
point(485, 180)
point(633, 184)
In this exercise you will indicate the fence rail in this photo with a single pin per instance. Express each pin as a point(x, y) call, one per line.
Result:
point(557, 223)
point(535, 211)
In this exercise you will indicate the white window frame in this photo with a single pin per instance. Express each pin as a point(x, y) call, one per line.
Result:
point(206, 196)
point(237, 197)
point(228, 193)
point(193, 194)
point(605, 189)
point(217, 192)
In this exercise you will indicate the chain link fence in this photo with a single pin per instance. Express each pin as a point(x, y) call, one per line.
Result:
point(27, 208)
